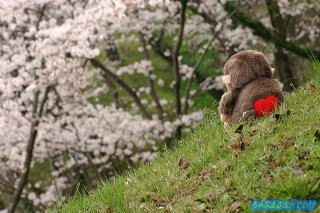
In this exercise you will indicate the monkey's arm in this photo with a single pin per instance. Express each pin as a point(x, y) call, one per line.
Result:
point(227, 102)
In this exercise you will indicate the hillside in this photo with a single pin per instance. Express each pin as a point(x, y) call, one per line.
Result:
point(221, 170)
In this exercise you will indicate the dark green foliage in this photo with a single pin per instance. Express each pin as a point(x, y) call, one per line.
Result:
point(266, 34)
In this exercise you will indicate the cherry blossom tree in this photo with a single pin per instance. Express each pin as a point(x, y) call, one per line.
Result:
point(48, 61)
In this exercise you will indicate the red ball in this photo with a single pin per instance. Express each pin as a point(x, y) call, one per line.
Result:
point(265, 106)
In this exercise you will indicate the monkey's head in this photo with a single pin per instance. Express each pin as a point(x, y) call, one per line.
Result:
point(244, 67)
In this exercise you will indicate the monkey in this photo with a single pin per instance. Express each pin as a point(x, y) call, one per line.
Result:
point(248, 78)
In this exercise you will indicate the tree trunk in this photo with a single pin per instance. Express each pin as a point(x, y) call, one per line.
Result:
point(283, 67)
point(282, 60)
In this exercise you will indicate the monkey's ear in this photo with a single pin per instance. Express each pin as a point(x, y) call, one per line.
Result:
point(226, 79)
point(272, 70)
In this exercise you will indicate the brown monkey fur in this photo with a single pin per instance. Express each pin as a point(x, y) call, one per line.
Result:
point(250, 80)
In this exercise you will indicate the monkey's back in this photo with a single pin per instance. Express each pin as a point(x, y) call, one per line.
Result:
point(253, 91)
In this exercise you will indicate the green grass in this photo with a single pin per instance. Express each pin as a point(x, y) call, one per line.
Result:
point(274, 159)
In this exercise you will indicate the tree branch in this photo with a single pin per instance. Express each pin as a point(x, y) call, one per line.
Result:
point(124, 85)
point(112, 88)
point(175, 56)
point(195, 68)
point(151, 82)
point(36, 115)
point(281, 58)
point(199, 77)
point(259, 29)
point(175, 61)
point(33, 133)
point(41, 16)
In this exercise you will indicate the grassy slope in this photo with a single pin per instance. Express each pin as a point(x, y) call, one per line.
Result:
point(280, 161)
